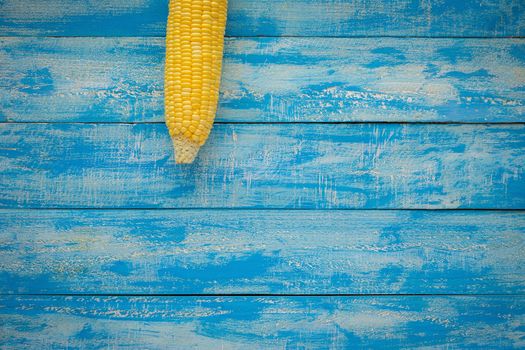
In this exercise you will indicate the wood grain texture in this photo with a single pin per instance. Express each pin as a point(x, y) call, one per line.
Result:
point(262, 322)
point(488, 18)
point(264, 166)
point(270, 80)
point(261, 251)
point(316, 61)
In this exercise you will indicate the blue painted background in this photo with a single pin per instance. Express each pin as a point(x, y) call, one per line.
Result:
point(363, 187)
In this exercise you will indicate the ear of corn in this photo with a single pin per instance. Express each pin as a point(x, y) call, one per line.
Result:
point(194, 47)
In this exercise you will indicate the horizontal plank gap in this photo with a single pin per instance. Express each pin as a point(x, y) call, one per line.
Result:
point(292, 295)
point(458, 210)
point(274, 36)
point(274, 123)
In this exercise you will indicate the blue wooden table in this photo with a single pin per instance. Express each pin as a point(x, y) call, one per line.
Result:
point(363, 187)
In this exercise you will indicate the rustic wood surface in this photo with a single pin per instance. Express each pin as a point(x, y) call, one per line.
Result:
point(388, 166)
point(271, 80)
point(261, 251)
point(93, 322)
point(470, 18)
point(364, 186)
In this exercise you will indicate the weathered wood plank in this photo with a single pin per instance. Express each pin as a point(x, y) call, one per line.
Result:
point(489, 18)
point(270, 80)
point(265, 165)
point(261, 251)
point(345, 166)
point(262, 322)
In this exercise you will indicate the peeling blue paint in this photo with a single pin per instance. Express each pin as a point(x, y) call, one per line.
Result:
point(268, 322)
point(333, 64)
point(219, 269)
point(328, 80)
point(122, 268)
point(38, 82)
point(480, 73)
point(273, 18)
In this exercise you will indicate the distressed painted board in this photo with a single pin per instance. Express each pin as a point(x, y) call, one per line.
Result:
point(385, 166)
point(263, 322)
point(271, 80)
point(261, 251)
point(488, 18)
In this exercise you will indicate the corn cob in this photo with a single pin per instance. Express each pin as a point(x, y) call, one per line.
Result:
point(194, 46)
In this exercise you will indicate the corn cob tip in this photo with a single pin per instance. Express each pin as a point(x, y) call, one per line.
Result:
point(185, 150)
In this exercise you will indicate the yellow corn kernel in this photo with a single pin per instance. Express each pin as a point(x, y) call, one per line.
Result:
point(194, 47)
